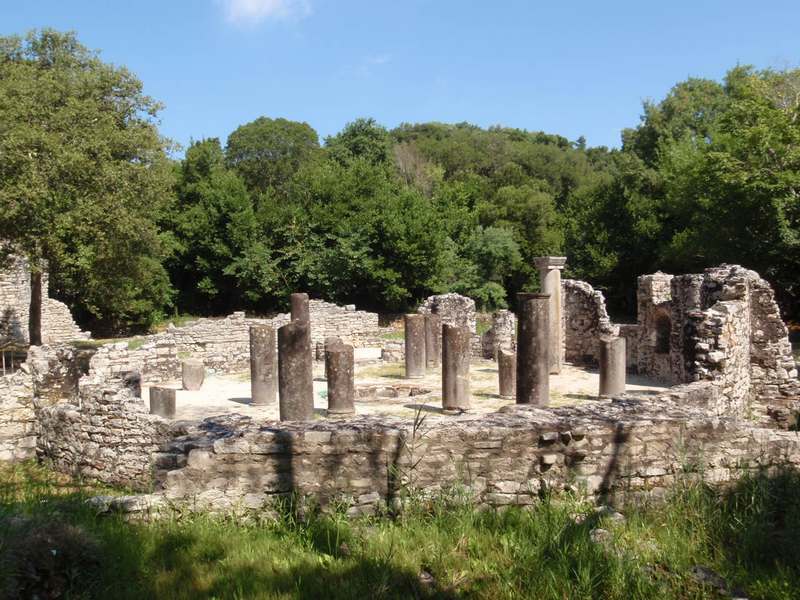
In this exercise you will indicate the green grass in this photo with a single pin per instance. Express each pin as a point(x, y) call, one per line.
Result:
point(50, 540)
point(393, 335)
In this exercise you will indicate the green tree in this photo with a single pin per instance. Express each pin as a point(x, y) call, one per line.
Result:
point(83, 178)
point(268, 152)
point(216, 234)
point(736, 198)
point(364, 139)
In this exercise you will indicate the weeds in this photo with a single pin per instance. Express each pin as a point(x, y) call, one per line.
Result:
point(53, 545)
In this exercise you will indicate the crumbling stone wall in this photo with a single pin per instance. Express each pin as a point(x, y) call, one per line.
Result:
point(15, 299)
point(18, 426)
point(224, 344)
point(105, 434)
point(585, 321)
point(504, 458)
point(654, 317)
point(501, 335)
point(454, 309)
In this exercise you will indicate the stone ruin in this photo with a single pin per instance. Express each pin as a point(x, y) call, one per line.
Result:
point(717, 337)
point(15, 299)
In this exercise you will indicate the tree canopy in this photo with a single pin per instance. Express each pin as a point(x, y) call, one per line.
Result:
point(380, 217)
point(83, 173)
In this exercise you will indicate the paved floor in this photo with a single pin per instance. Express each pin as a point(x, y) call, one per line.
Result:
point(229, 394)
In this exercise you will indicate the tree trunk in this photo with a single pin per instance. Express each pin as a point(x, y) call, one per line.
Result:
point(35, 311)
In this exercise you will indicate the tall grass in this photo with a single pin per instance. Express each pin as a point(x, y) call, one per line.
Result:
point(442, 547)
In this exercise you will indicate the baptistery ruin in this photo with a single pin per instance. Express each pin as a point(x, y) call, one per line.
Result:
point(711, 388)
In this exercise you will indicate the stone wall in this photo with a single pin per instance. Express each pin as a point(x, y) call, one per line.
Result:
point(501, 335)
point(585, 321)
point(224, 344)
point(18, 427)
point(630, 331)
point(454, 309)
point(630, 446)
point(106, 434)
point(653, 314)
point(15, 298)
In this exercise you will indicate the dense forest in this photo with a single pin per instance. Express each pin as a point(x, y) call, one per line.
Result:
point(375, 216)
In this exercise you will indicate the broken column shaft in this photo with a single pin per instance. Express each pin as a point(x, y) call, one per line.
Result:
point(295, 372)
point(339, 359)
point(612, 367)
point(263, 365)
point(533, 349)
point(415, 345)
point(299, 304)
point(433, 340)
point(162, 402)
point(507, 373)
point(455, 368)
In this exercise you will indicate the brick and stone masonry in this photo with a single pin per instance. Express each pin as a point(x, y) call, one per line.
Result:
point(15, 298)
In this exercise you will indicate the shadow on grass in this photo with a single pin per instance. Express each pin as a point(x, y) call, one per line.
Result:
point(52, 544)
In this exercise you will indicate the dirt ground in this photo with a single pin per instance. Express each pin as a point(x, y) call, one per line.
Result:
point(228, 394)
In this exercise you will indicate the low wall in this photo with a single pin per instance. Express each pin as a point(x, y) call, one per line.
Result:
point(585, 321)
point(224, 344)
point(18, 427)
point(106, 435)
point(631, 446)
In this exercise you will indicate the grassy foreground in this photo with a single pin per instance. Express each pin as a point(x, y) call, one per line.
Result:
point(697, 545)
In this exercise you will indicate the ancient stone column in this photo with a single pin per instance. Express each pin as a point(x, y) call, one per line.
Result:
point(295, 372)
point(612, 367)
point(415, 345)
point(433, 340)
point(193, 373)
point(550, 277)
point(329, 341)
point(263, 365)
point(533, 349)
point(299, 302)
point(339, 360)
point(507, 372)
point(455, 368)
point(162, 402)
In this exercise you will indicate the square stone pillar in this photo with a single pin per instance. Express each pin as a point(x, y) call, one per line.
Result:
point(550, 277)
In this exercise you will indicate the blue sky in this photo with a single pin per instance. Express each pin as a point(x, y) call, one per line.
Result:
point(573, 68)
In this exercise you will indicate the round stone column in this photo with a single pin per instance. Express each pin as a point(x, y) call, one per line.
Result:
point(550, 268)
point(329, 341)
point(455, 368)
point(507, 373)
point(263, 365)
point(433, 340)
point(339, 360)
point(299, 303)
point(193, 372)
point(162, 402)
point(415, 345)
point(533, 349)
point(612, 367)
point(295, 372)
